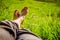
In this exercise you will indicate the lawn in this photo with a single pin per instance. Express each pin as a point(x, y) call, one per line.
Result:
point(43, 18)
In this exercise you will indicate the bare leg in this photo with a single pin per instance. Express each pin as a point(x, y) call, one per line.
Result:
point(18, 18)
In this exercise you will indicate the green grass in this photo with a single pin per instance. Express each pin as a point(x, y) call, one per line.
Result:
point(42, 18)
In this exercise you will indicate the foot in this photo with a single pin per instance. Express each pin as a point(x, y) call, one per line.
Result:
point(16, 14)
point(19, 18)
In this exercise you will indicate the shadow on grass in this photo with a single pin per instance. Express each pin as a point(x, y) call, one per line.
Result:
point(57, 2)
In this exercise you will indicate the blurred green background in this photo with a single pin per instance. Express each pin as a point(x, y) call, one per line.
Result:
point(43, 16)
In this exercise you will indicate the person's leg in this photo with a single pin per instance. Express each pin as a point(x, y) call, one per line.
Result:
point(5, 35)
point(18, 18)
point(8, 28)
point(28, 37)
point(24, 34)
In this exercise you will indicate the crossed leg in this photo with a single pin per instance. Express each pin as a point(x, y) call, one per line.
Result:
point(19, 17)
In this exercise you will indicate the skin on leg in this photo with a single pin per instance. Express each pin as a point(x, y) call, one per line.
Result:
point(19, 17)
